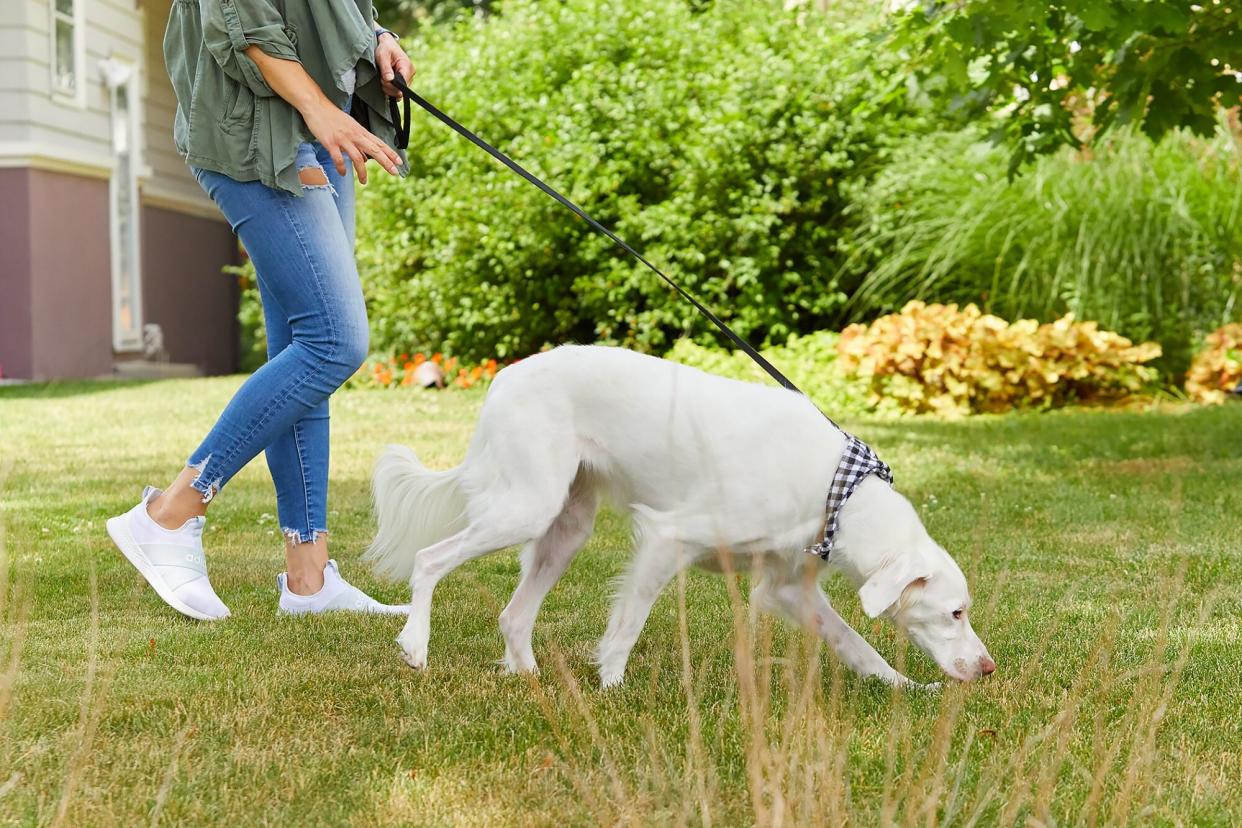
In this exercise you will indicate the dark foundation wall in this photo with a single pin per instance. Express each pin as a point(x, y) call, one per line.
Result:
point(16, 337)
point(70, 275)
point(56, 280)
point(183, 290)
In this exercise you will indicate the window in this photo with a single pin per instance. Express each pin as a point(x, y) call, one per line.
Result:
point(67, 50)
point(122, 81)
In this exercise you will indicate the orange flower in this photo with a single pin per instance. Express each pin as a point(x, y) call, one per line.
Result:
point(419, 359)
point(437, 358)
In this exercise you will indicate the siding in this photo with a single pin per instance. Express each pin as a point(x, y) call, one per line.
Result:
point(170, 181)
point(37, 129)
point(35, 121)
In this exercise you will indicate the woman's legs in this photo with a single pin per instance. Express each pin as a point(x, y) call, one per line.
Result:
point(304, 261)
point(298, 457)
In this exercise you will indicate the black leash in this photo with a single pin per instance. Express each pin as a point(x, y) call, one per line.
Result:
point(403, 137)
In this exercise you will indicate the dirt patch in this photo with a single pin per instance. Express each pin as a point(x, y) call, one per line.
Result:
point(1177, 464)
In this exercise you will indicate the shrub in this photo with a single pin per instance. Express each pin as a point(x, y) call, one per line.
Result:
point(716, 139)
point(1217, 368)
point(252, 351)
point(811, 362)
point(953, 361)
point(1144, 237)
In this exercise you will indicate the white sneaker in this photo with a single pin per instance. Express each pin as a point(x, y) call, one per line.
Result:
point(336, 594)
point(171, 560)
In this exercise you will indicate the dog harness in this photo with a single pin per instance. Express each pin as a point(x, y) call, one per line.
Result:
point(857, 462)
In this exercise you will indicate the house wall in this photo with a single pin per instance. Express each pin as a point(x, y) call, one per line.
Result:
point(55, 282)
point(55, 165)
point(169, 183)
point(16, 337)
point(184, 291)
point(60, 322)
point(39, 126)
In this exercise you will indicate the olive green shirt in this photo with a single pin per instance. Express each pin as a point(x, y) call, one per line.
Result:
point(228, 118)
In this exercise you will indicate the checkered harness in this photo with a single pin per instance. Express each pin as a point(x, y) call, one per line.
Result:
point(857, 461)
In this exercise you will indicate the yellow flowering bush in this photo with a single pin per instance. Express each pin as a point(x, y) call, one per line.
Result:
point(951, 360)
point(1217, 368)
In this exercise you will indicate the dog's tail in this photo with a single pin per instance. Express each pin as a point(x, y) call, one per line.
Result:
point(414, 508)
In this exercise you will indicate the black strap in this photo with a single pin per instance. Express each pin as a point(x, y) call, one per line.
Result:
point(404, 129)
point(402, 125)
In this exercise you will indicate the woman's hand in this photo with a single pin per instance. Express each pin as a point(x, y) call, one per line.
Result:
point(390, 58)
point(337, 130)
point(341, 135)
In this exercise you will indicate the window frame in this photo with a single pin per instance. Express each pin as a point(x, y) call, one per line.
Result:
point(77, 20)
point(127, 74)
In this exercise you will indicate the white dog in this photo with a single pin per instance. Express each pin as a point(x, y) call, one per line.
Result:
point(702, 464)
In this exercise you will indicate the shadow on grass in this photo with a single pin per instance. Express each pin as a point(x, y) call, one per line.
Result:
point(59, 389)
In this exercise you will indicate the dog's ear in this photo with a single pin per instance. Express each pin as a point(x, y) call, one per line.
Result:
point(887, 583)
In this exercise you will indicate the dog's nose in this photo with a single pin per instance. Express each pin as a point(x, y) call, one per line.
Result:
point(987, 666)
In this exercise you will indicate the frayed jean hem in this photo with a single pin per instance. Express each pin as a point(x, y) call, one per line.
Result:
point(208, 488)
point(297, 537)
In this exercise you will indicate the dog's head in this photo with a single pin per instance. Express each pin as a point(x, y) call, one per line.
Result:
point(912, 580)
point(925, 595)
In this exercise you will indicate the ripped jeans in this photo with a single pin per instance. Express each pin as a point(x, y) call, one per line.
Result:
point(303, 254)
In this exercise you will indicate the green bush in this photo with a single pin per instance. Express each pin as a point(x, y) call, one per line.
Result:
point(810, 361)
point(1144, 238)
point(716, 140)
point(252, 350)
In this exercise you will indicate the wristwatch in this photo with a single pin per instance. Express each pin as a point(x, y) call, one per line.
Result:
point(382, 31)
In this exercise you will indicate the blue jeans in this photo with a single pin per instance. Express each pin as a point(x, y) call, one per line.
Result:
point(303, 254)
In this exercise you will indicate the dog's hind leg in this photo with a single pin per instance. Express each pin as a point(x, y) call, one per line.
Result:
point(516, 476)
point(439, 559)
point(805, 604)
point(656, 560)
point(543, 563)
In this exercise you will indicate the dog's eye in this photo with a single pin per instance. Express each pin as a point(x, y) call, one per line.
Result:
point(957, 615)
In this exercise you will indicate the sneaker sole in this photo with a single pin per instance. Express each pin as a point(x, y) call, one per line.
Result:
point(124, 540)
point(394, 610)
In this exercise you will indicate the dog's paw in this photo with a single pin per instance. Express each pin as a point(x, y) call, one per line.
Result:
point(934, 687)
point(415, 662)
point(413, 656)
point(512, 668)
point(611, 678)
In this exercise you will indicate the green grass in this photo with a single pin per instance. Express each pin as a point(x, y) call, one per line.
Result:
point(1102, 548)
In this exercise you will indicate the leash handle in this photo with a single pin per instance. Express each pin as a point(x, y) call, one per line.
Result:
point(409, 94)
point(402, 125)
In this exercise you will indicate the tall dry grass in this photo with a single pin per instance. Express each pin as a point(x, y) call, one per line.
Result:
point(1090, 761)
point(15, 601)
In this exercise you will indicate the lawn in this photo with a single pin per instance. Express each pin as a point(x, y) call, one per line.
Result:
point(1102, 548)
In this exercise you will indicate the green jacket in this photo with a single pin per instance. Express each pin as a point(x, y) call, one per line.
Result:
point(228, 118)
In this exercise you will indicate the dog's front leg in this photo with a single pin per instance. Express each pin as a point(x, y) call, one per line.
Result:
point(655, 562)
point(806, 605)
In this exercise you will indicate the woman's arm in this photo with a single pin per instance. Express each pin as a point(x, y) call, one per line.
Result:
point(339, 133)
